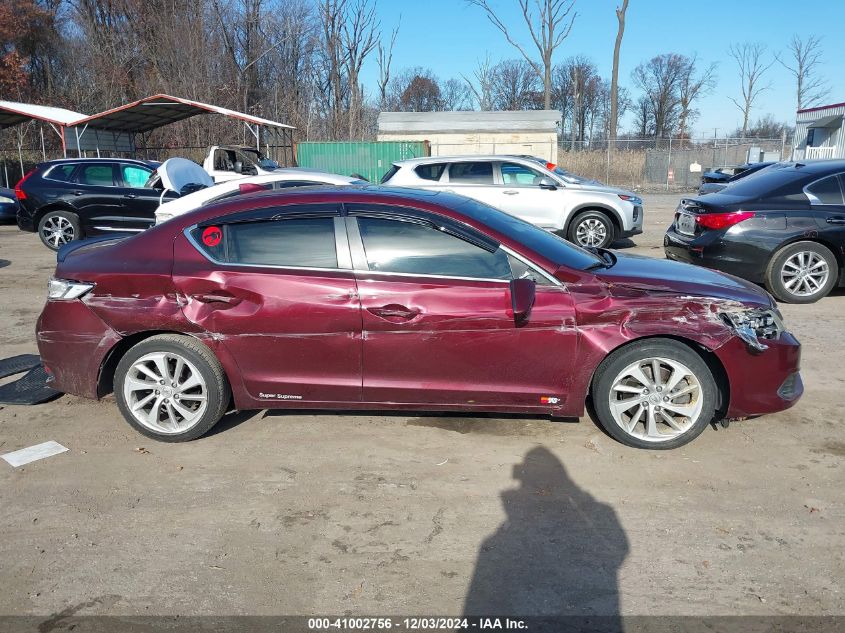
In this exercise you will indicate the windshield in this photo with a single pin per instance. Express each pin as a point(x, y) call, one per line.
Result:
point(266, 163)
point(539, 240)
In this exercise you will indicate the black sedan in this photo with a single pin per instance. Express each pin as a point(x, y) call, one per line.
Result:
point(784, 228)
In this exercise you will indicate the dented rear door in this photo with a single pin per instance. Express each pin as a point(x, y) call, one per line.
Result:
point(277, 290)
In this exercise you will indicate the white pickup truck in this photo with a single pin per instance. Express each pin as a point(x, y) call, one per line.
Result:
point(227, 162)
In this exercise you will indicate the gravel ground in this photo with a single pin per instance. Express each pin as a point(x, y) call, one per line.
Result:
point(290, 513)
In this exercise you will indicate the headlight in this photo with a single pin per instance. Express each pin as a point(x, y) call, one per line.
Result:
point(631, 199)
point(65, 289)
point(6, 200)
point(754, 324)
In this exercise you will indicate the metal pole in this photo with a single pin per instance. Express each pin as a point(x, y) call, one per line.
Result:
point(43, 152)
point(669, 165)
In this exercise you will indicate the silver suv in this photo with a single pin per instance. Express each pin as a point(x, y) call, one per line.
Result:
point(583, 211)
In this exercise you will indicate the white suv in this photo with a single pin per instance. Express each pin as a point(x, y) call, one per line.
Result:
point(583, 211)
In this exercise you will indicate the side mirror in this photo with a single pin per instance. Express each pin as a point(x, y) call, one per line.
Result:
point(239, 167)
point(548, 183)
point(523, 292)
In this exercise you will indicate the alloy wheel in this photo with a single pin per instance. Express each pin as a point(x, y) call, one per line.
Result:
point(165, 392)
point(591, 232)
point(656, 399)
point(57, 231)
point(805, 273)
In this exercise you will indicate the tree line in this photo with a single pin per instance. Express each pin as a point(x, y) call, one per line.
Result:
point(300, 62)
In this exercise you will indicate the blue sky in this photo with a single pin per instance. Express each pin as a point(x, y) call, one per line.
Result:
point(449, 36)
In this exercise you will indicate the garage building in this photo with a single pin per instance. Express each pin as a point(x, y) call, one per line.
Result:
point(533, 132)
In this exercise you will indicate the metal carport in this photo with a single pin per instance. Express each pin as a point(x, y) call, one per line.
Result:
point(13, 113)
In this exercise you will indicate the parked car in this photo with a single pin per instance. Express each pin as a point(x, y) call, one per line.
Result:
point(372, 298)
point(228, 162)
point(722, 174)
point(70, 199)
point(583, 211)
point(279, 179)
point(8, 205)
point(713, 187)
point(784, 227)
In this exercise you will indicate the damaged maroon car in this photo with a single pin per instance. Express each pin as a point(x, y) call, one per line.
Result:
point(373, 298)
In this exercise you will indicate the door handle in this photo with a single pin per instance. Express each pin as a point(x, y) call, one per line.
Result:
point(77, 193)
point(838, 219)
point(130, 195)
point(394, 311)
point(510, 192)
point(217, 298)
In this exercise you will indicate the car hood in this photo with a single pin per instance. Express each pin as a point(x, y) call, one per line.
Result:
point(594, 185)
point(177, 172)
point(662, 275)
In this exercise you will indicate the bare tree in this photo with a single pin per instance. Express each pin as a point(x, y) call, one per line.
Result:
point(614, 77)
point(660, 79)
point(548, 28)
point(692, 86)
point(360, 37)
point(385, 58)
point(805, 57)
point(483, 91)
point(456, 95)
point(750, 60)
point(514, 85)
point(421, 95)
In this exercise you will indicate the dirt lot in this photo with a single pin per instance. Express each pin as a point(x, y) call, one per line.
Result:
point(406, 514)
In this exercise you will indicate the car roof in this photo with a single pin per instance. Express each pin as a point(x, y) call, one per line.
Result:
point(463, 158)
point(63, 161)
point(819, 166)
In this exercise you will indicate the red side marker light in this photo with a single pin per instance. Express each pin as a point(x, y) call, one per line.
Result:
point(550, 166)
point(212, 236)
point(722, 220)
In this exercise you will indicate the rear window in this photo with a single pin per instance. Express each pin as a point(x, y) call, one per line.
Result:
point(390, 174)
point(430, 172)
point(775, 179)
point(471, 173)
point(296, 242)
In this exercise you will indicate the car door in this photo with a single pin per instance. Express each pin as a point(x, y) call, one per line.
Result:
point(139, 202)
point(524, 197)
point(95, 196)
point(276, 288)
point(474, 179)
point(438, 327)
point(827, 201)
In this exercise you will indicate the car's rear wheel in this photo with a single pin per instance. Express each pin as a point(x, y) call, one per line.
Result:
point(58, 228)
point(802, 272)
point(592, 228)
point(655, 394)
point(171, 388)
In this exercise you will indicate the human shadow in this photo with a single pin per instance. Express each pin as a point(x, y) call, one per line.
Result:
point(556, 555)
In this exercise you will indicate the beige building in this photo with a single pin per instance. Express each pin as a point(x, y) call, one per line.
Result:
point(532, 132)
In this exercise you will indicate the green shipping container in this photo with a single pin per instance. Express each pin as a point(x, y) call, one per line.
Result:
point(369, 159)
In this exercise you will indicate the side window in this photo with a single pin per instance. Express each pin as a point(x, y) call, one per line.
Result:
point(430, 172)
point(134, 176)
point(409, 247)
point(825, 191)
point(62, 172)
point(515, 175)
point(297, 242)
point(100, 175)
point(471, 173)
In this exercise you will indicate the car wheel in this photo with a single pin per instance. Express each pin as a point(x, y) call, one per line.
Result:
point(171, 388)
point(655, 394)
point(58, 228)
point(803, 272)
point(592, 228)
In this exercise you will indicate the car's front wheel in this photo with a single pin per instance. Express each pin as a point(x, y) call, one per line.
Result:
point(802, 272)
point(655, 393)
point(58, 228)
point(592, 228)
point(171, 388)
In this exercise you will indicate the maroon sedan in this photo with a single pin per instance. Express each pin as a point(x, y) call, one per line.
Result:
point(373, 298)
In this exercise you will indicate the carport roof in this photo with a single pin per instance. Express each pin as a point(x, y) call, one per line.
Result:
point(161, 109)
point(13, 113)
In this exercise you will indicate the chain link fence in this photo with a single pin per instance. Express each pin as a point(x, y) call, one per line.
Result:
point(654, 164)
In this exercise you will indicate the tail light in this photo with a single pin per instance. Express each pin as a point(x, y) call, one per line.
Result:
point(722, 220)
point(20, 193)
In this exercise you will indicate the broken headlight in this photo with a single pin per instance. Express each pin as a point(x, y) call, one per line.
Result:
point(754, 325)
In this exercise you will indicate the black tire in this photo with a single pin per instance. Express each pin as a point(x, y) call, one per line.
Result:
point(619, 360)
point(592, 220)
point(216, 386)
point(64, 226)
point(776, 270)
